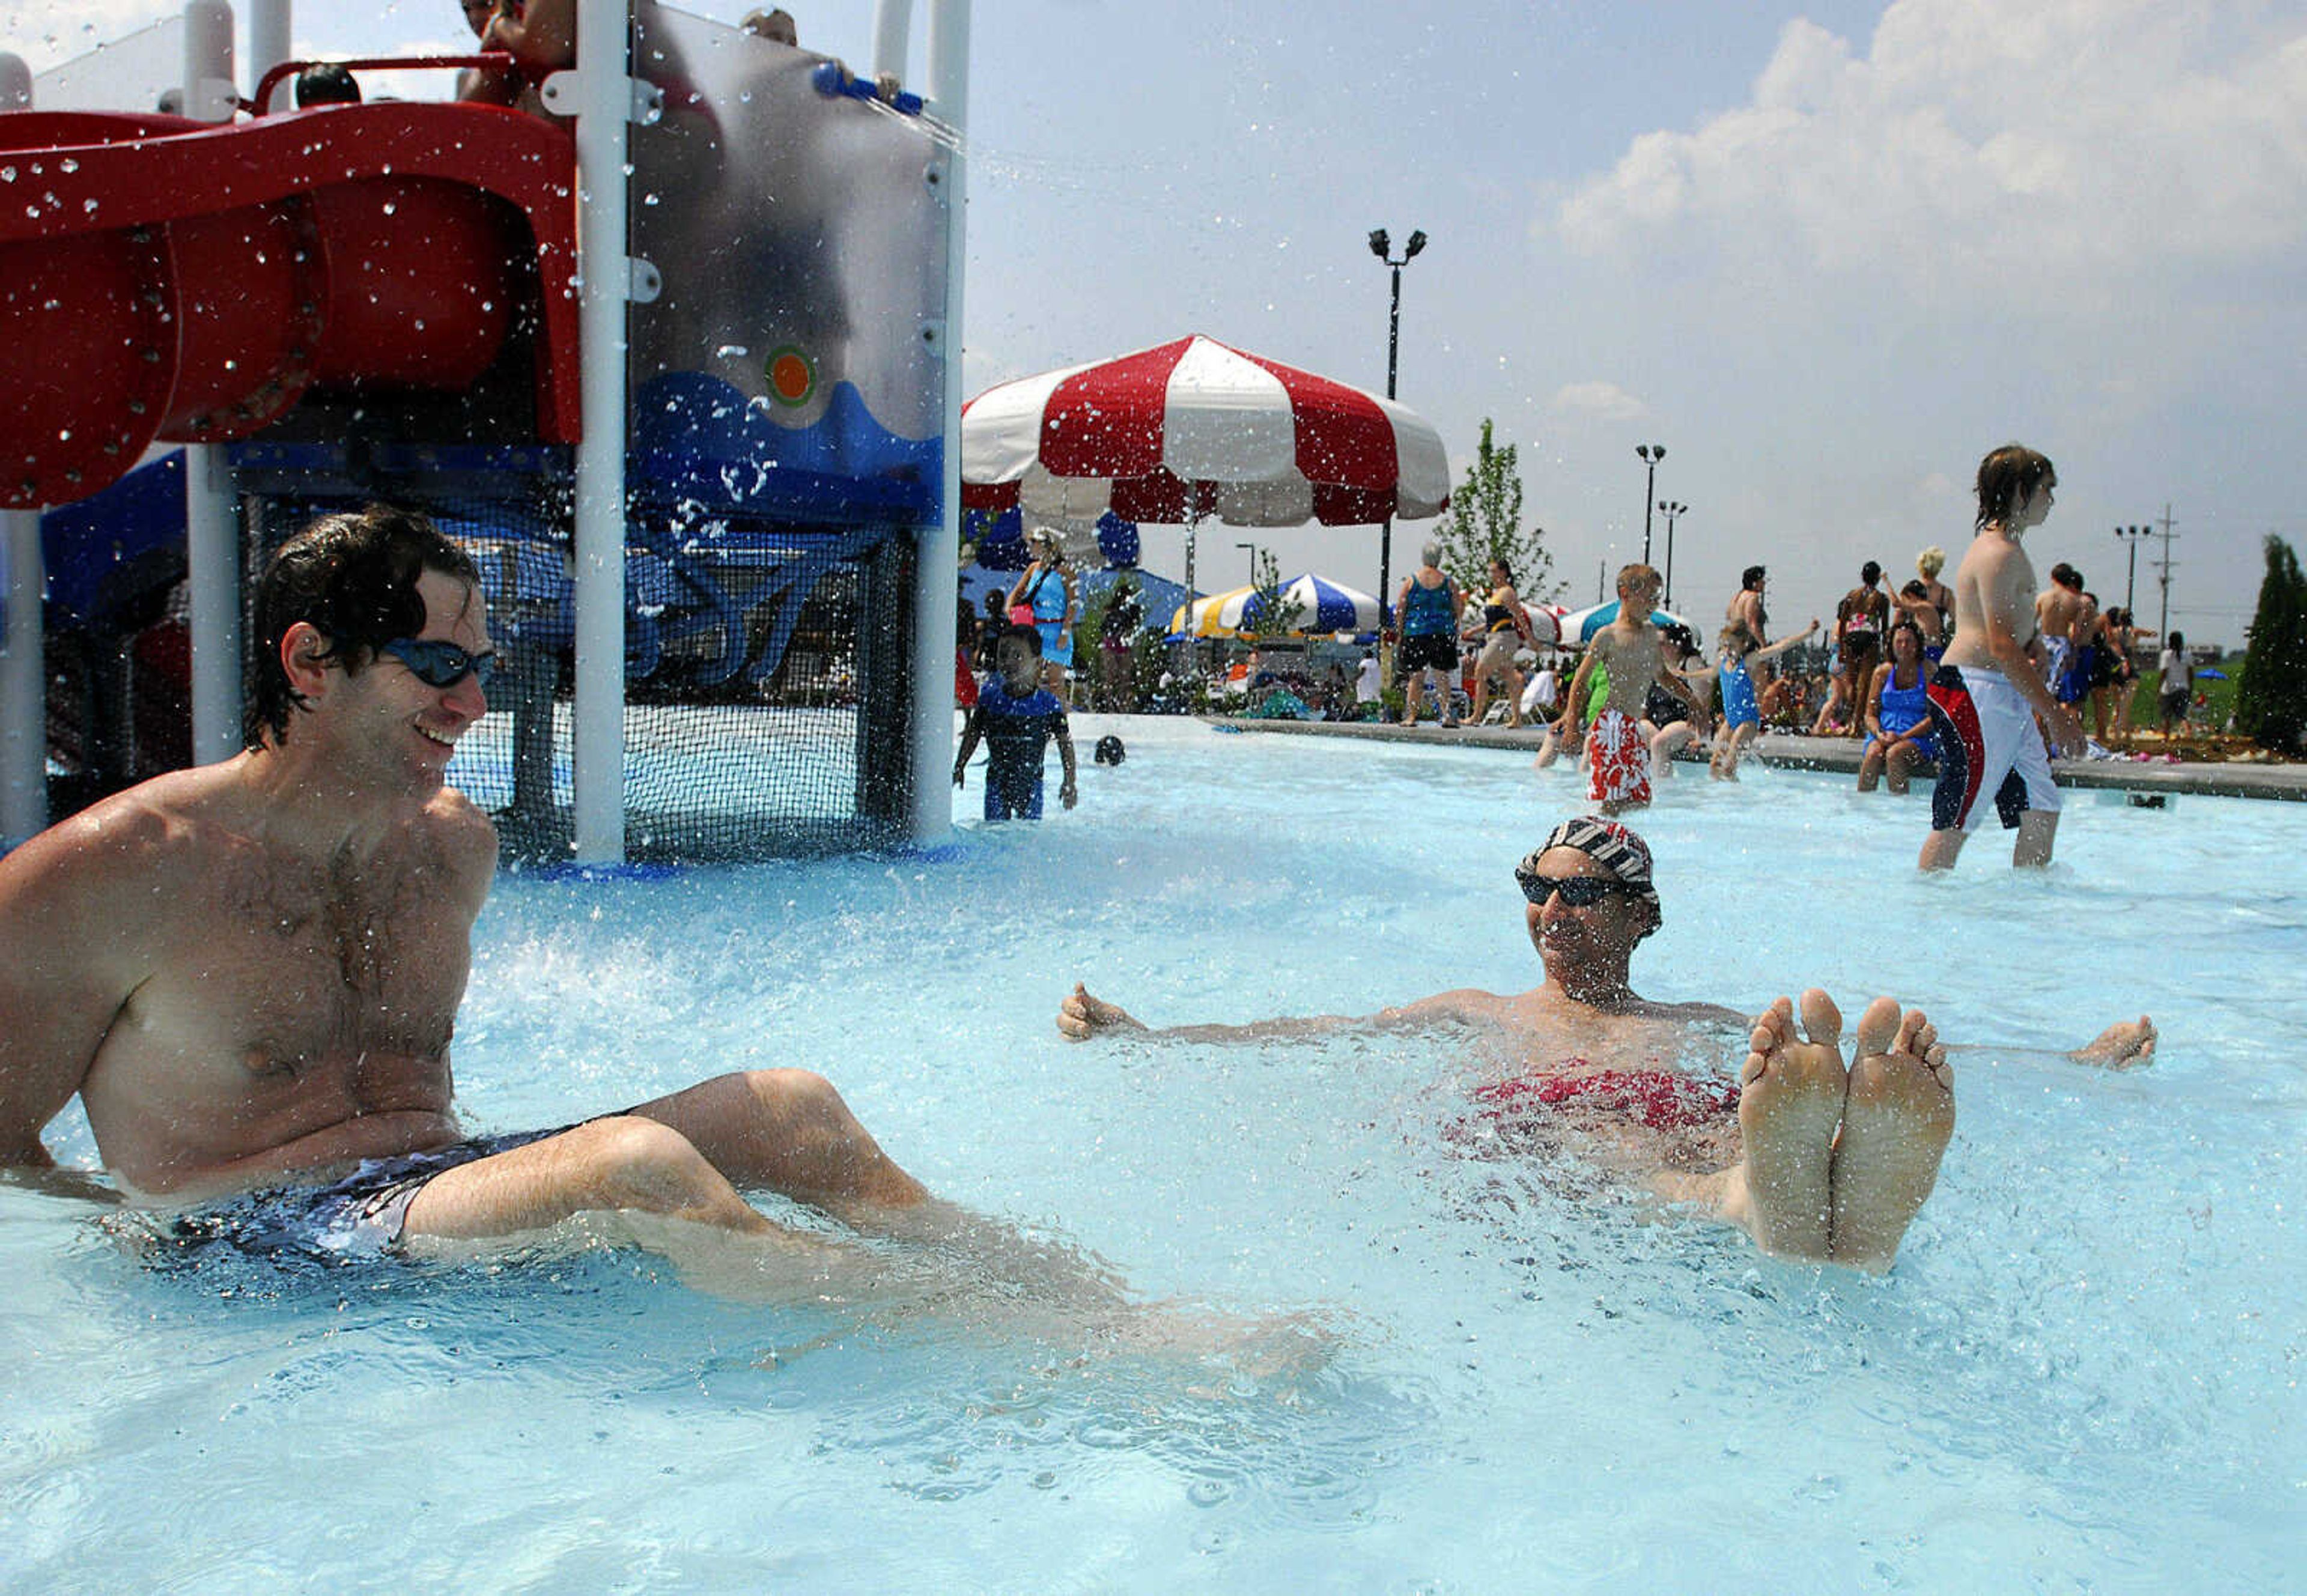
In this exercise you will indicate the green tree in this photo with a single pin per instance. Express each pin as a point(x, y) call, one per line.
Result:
point(1484, 523)
point(2271, 692)
point(1271, 615)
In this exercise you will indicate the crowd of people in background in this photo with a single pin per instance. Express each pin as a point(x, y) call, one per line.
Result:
point(1474, 653)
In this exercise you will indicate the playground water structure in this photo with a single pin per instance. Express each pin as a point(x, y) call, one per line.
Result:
point(2081, 1374)
point(688, 349)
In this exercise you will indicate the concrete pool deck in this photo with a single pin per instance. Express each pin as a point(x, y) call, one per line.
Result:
point(2207, 778)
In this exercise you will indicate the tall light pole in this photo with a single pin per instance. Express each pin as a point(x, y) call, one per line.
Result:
point(1651, 454)
point(1670, 509)
point(2131, 538)
point(1252, 550)
point(1379, 245)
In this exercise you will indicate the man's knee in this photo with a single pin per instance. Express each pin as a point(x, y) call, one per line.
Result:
point(628, 1162)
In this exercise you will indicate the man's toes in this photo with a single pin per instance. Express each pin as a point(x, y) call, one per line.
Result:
point(1821, 1020)
point(1881, 1028)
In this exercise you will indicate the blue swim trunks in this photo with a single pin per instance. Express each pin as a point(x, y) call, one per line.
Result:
point(360, 1216)
point(1738, 707)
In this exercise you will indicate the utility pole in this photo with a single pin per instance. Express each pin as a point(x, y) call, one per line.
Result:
point(2164, 573)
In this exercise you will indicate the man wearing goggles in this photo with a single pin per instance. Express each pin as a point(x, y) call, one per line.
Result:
point(1811, 1157)
point(249, 972)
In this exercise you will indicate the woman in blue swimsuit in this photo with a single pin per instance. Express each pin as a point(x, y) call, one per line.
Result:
point(1897, 713)
point(1050, 589)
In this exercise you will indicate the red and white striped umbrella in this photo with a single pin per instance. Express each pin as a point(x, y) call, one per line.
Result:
point(1194, 430)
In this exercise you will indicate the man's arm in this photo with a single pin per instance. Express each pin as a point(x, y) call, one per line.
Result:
point(1069, 793)
point(1574, 699)
point(1081, 1016)
point(972, 731)
point(2010, 655)
point(1773, 650)
point(70, 955)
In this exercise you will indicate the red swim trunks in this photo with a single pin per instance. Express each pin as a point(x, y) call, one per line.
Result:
point(1617, 760)
point(1661, 1099)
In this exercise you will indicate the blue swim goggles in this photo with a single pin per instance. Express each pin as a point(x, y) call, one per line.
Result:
point(441, 665)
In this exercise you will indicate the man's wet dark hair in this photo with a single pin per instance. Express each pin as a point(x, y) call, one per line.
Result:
point(1031, 636)
point(1752, 578)
point(1870, 573)
point(2067, 577)
point(353, 577)
point(2007, 478)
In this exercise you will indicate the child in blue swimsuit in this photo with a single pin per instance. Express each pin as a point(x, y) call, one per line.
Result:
point(1017, 717)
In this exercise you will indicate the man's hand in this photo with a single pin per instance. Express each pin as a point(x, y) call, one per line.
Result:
point(1081, 1017)
point(2124, 1045)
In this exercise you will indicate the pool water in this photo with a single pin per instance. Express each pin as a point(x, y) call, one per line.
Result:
point(2083, 1373)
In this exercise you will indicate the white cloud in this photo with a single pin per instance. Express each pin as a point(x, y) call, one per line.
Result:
point(1599, 401)
point(2061, 155)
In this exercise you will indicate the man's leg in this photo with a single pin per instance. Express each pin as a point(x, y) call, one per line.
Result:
point(2037, 830)
point(788, 1131)
point(1896, 1123)
point(1779, 1192)
point(1941, 848)
point(604, 1166)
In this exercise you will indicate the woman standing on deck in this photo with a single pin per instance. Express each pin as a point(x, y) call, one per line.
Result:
point(1505, 628)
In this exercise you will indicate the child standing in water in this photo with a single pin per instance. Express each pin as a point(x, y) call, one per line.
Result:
point(1632, 652)
point(1018, 716)
point(1989, 688)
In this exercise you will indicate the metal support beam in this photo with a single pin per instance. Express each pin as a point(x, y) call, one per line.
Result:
point(212, 585)
point(937, 577)
point(605, 101)
point(23, 681)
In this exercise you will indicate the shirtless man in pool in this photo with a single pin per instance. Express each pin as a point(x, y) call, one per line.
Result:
point(249, 972)
point(1812, 1158)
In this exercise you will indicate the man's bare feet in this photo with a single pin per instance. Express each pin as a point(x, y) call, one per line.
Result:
point(1896, 1121)
point(1081, 1017)
point(2124, 1045)
point(1780, 1193)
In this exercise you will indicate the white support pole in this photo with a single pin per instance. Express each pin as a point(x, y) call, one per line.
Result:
point(605, 102)
point(23, 685)
point(936, 576)
point(212, 585)
point(270, 38)
point(15, 82)
point(210, 92)
point(893, 27)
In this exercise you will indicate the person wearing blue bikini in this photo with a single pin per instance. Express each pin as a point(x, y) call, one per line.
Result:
point(249, 972)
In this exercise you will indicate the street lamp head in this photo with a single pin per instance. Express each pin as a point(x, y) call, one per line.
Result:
point(1650, 452)
point(1417, 241)
point(1379, 243)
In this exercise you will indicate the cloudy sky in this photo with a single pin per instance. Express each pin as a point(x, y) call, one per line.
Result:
point(1827, 254)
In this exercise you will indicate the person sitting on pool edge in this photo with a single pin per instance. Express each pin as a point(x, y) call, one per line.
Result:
point(1811, 1158)
point(249, 972)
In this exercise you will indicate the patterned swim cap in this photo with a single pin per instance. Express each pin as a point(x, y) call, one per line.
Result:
point(1608, 844)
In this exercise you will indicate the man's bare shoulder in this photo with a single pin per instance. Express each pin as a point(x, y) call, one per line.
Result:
point(1465, 1005)
point(456, 828)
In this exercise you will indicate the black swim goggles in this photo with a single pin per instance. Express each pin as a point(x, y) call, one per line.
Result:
point(1579, 892)
point(441, 665)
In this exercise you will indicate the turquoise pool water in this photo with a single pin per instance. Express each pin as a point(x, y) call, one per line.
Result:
point(2083, 1374)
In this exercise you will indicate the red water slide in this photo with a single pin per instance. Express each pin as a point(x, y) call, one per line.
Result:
point(167, 279)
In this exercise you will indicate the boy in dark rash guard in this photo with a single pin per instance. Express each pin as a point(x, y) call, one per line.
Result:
point(1812, 1158)
point(1017, 717)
